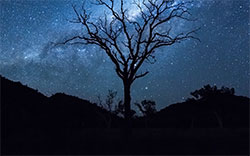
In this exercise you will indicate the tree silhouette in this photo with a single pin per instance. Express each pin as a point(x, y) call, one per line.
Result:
point(109, 101)
point(130, 41)
point(146, 107)
point(208, 91)
point(109, 106)
point(120, 110)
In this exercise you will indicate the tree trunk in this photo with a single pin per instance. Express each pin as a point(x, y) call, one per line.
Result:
point(127, 102)
point(127, 115)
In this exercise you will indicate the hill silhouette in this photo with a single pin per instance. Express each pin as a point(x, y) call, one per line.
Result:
point(23, 104)
point(219, 111)
point(32, 123)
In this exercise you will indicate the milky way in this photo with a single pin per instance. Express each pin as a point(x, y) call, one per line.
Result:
point(29, 27)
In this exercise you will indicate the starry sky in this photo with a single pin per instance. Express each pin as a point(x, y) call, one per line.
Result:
point(28, 28)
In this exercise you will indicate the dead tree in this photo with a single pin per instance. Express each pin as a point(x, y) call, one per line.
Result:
point(129, 42)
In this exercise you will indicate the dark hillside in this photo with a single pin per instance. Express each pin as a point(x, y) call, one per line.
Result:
point(32, 123)
point(224, 111)
point(25, 105)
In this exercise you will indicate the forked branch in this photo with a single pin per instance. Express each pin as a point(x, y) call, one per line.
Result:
point(130, 41)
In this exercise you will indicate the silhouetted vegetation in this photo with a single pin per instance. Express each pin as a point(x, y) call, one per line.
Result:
point(207, 91)
point(129, 43)
point(32, 123)
point(146, 107)
point(111, 106)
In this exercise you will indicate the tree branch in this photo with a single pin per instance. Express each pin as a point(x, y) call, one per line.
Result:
point(140, 75)
point(141, 38)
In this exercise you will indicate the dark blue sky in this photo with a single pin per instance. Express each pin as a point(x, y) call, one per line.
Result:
point(221, 58)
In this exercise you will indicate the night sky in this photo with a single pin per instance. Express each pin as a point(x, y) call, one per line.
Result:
point(28, 28)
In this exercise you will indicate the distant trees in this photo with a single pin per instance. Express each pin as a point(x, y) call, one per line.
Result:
point(108, 105)
point(147, 107)
point(120, 110)
point(208, 91)
point(109, 101)
point(114, 106)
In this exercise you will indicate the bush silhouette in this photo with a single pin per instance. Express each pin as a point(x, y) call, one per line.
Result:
point(147, 107)
point(111, 106)
point(208, 91)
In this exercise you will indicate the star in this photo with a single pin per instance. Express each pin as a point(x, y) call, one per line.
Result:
point(29, 29)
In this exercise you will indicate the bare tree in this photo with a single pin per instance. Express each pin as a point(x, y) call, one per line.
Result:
point(109, 106)
point(130, 42)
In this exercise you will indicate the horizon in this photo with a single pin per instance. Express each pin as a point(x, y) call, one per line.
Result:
point(115, 103)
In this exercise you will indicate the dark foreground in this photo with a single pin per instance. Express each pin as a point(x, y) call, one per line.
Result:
point(217, 123)
point(177, 141)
